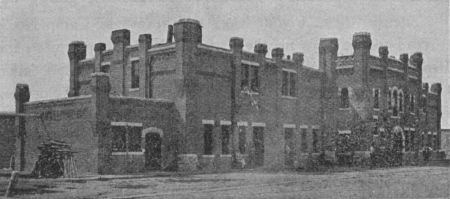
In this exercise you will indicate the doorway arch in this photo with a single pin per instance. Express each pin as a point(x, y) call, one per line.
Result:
point(152, 140)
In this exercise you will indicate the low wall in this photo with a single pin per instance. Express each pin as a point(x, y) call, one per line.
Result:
point(7, 139)
point(208, 163)
point(68, 120)
point(127, 163)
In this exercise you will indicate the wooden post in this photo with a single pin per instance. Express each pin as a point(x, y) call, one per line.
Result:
point(12, 183)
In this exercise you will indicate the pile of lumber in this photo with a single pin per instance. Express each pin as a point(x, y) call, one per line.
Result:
point(55, 160)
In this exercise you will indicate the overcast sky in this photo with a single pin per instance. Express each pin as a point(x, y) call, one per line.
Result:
point(35, 34)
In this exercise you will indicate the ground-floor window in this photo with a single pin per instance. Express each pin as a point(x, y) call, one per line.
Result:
point(208, 138)
point(422, 140)
point(315, 140)
point(304, 141)
point(226, 139)
point(289, 148)
point(436, 142)
point(242, 139)
point(412, 141)
point(258, 141)
point(407, 143)
point(429, 142)
point(126, 139)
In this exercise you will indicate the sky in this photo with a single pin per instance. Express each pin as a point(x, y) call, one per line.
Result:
point(34, 35)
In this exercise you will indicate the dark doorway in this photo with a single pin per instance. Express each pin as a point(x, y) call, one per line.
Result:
point(289, 151)
point(397, 148)
point(152, 151)
point(258, 140)
point(226, 139)
point(208, 139)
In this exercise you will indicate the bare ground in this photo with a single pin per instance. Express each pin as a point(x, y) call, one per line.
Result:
point(409, 182)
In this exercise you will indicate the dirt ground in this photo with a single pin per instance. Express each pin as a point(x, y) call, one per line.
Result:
point(412, 182)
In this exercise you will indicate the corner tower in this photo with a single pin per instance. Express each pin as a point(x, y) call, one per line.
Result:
point(362, 43)
point(328, 48)
point(187, 34)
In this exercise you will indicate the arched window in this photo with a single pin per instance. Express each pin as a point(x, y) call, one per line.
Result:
point(344, 98)
point(376, 98)
point(412, 101)
point(400, 103)
point(389, 100)
point(395, 99)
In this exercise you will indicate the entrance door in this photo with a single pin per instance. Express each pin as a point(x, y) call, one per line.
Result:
point(152, 151)
point(289, 147)
point(258, 140)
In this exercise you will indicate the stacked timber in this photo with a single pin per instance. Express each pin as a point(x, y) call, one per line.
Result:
point(55, 160)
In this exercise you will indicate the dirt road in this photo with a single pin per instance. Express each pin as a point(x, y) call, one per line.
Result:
point(413, 182)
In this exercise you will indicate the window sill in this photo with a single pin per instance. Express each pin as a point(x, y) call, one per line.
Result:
point(225, 155)
point(288, 97)
point(133, 89)
point(344, 109)
point(128, 153)
point(207, 156)
point(250, 93)
point(376, 109)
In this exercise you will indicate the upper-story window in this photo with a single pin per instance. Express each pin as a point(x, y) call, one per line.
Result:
point(389, 99)
point(135, 74)
point(250, 78)
point(395, 100)
point(376, 98)
point(104, 68)
point(345, 101)
point(400, 102)
point(412, 101)
point(288, 83)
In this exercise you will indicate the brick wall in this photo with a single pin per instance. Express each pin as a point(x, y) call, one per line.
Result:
point(152, 113)
point(68, 120)
point(7, 140)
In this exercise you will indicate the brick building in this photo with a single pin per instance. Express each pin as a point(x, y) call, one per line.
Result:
point(203, 103)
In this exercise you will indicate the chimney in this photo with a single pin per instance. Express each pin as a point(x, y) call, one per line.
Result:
point(169, 33)
point(76, 53)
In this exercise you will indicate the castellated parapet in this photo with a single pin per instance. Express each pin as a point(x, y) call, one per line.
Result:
point(208, 106)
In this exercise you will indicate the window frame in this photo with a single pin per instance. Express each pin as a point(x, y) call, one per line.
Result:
point(344, 99)
point(208, 149)
point(288, 83)
point(304, 139)
point(126, 132)
point(135, 79)
point(376, 99)
point(250, 80)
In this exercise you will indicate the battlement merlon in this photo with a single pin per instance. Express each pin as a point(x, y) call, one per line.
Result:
point(416, 60)
point(436, 88)
point(361, 41)
point(76, 53)
point(188, 30)
point(383, 52)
